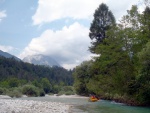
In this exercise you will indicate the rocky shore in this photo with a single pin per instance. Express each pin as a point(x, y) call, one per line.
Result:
point(30, 106)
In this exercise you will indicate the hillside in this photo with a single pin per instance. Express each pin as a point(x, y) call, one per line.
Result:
point(7, 55)
point(11, 68)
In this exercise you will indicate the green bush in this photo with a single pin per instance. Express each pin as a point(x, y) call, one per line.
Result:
point(30, 90)
point(4, 84)
point(67, 90)
point(13, 82)
point(46, 85)
point(60, 93)
point(2, 91)
point(14, 93)
point(41, 92)
point(56, 89)
point(69, 93)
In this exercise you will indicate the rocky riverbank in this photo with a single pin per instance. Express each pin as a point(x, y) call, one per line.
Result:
point(30, 106)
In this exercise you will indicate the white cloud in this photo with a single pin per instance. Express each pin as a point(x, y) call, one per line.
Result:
point(69, 46)
point(120, 7)
point(2, 15)
point(6, 48)
point(51, 10)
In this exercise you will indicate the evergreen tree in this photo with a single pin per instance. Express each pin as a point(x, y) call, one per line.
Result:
point(103, 20)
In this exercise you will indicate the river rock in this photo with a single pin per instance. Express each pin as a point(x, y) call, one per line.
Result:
point(30, 106)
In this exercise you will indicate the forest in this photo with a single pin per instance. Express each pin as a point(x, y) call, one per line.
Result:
point(17, 78)
point(121, 69)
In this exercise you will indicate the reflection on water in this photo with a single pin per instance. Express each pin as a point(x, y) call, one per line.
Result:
point(81, 105)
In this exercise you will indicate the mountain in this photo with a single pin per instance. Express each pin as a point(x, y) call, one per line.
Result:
point(41, 60)
point(7, 55)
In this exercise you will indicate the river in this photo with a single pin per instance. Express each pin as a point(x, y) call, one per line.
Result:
point(81, 105)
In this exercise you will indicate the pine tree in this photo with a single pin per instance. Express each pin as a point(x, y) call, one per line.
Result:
point(103, 20)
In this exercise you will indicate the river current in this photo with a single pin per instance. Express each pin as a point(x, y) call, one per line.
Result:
point(81, 105)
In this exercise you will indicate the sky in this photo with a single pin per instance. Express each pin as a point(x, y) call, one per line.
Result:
point(56, 28)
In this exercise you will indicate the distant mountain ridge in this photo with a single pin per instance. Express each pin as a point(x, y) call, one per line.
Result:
point(7, 55)
point(40, 59)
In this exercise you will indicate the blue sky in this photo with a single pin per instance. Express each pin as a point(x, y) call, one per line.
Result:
point(57, 28)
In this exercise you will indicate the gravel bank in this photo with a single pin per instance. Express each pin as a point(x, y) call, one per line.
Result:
point(30, 106)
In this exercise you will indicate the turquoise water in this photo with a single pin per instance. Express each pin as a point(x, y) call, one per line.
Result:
point(111, 107)
point(81, 105)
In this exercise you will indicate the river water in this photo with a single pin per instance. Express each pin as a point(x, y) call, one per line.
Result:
point(81, 105)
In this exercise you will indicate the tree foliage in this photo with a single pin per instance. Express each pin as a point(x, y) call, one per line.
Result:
point(17, 73)
point(47, 87)
point(144, 77)
point(121, 71)
point(81, 77)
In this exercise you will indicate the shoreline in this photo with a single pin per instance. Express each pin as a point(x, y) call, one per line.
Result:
point(68, 96)
point(11, 105)
point(30, 106)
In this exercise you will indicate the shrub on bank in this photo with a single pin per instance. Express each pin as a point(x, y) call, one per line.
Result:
point(30, 90)
point(60, 93)
point(69, 93)
point(3, 91)
point(67, 90)
point(14, 93)
point(41, 92)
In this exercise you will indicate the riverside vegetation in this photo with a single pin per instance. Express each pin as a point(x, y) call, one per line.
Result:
point(18, 78)
point(121, 70)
